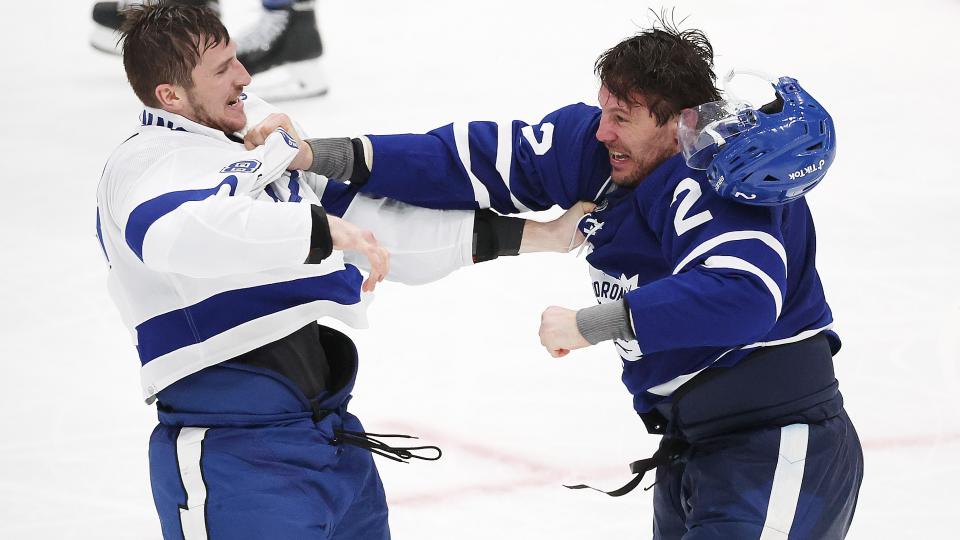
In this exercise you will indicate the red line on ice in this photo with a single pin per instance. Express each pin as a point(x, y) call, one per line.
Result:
point(912, 441)
point(535, 474)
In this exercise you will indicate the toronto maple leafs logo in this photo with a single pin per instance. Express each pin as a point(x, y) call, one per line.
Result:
point(628, 283)
point(611, 289)
point(629, 351)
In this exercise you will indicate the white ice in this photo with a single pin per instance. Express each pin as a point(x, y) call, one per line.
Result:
point(458, 362)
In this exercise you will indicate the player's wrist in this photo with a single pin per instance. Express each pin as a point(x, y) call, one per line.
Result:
point(340, 158)
point(331, 157)
point(539, 236)
point(303, 160)
point(604, 322)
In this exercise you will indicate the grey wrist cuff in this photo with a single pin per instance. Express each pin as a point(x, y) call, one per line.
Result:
point(604, 322)
point(332, 158)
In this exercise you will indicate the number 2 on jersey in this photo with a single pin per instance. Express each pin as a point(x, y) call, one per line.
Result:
point(539, 147)
point(681, 222)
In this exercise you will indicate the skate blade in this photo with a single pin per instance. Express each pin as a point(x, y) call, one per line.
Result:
point(296, 80)
point(105, 39)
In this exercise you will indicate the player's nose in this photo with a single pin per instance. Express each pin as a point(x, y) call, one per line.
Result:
point(605, 133)
point(243, 76)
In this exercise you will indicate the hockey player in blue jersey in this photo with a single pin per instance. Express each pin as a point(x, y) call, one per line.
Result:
point(223, 254)
point(714, 306)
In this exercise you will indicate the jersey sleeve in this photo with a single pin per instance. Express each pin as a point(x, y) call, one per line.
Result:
point(729, 274)
point(508, 166)
point(425, 244)
point(190, 214)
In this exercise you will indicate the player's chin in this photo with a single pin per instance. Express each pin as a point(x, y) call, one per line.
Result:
point(233, 121)
point(627, 178)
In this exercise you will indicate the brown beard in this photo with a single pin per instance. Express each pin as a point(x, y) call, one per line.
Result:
point(633, 180)
point(202, 117)
point(644, 169)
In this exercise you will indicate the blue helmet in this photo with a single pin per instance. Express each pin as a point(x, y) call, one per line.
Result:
point(767, 156)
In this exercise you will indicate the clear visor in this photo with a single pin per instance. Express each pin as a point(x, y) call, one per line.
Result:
point(704, 129)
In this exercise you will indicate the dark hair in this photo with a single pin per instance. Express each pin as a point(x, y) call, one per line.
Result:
point(162, 43)
point(670, 69)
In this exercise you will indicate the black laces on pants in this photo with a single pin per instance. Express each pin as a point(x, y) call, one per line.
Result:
point(670, 451)
point(370, 442)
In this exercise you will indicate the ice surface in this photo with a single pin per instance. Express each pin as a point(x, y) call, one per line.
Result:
point(458, 361)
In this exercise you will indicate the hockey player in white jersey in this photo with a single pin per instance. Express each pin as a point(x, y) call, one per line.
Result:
point(221, 260)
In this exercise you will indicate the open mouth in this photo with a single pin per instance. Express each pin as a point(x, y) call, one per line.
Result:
point(234, 103)
point(618, 157)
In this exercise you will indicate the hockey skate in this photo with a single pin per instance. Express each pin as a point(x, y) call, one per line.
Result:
point(108, 18)
point(283, 52)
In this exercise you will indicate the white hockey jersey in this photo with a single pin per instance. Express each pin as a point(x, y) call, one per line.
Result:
point(206, 243)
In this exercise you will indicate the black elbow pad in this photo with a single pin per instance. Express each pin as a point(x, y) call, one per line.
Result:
point(495, 235)
point(321, 243)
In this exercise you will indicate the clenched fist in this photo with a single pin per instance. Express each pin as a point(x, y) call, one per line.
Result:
point(559, 333)
point(258, 135)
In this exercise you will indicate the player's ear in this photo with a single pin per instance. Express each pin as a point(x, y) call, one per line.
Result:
point(672, 125)
point(170, 97)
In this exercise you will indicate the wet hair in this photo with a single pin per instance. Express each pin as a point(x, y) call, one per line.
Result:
point(667, 68)
point(162, 43)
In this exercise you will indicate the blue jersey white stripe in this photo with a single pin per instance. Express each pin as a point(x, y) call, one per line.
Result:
point(712, 277)
point(505, 161)
point(461, 137)
point(507, 166)
point(732, 236)
point(735, 263)
point(705, 279)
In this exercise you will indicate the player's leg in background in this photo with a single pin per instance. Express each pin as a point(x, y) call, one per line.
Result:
point(284, 52)
point(108, 17)
point(282, 49)
point(800, 481)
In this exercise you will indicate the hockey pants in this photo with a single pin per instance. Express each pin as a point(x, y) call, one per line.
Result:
point(798, 482)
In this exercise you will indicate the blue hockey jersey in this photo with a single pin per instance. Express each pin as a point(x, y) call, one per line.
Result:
point(706, 280)
point(510, 167)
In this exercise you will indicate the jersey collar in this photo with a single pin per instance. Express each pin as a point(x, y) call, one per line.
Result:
point(151, 117)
